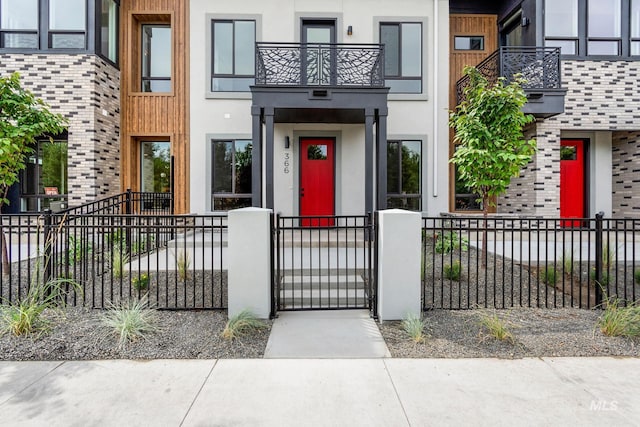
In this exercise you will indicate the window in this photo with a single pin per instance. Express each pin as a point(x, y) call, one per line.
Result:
point(561, 25)
point(44, 180)
point(231, 185)
point(109, 30)
point(67, 24)
point(403, 56)
point(233, 56)
point(635, 27)
point(468, 43)
point(156, 58)
point(19, 24)
point(604, 24)
point(465, 199)
point(403, 174)
point(155, 168)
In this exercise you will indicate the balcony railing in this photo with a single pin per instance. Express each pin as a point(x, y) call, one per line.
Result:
point(539, 66)
point(331, 65)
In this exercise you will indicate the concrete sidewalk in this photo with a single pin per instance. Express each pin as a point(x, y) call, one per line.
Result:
point(285, 392)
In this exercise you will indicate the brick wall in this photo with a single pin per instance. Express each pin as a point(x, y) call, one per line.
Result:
point(626, 174)
point(85, 89)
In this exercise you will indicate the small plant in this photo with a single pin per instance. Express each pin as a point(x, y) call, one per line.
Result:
point(141, 282)
point(567, 263)
point(496, 328)
point(617, 321)
point(77, 250)
point(450, 241)
point(183, 263)
point(549, 275)
point(604, 280)
point(119, 261)
point(130, 321)
point(117, 238)
point(25, 316)
point(414, 327)
point(241, 324)
point(453, 271)
point(636, 277)
point(142, 245)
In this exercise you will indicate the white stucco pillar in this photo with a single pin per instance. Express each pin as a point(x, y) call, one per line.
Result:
point(249, 252)
point(398, 264)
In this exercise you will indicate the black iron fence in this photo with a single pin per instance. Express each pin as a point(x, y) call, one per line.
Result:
point(323, 262)
point(528, 262)
point(129, 202)
point(308, 64)
point(178, 261)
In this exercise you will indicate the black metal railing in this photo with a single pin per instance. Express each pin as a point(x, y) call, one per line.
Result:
point(529, 262)
point(323, 262)
point(129, 202)
point(538, 66)
point(307, 64)
point(177, 261)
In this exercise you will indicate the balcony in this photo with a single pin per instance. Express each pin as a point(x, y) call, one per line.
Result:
point(320, 65)
point(539, 66)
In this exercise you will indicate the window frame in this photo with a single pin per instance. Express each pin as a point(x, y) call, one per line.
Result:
point(399, 194)
point(141, 77)
point(233, 74)
point(233, 194)
point(400, 76)
point(53, 32)
point(35, 31)
point(98, 29)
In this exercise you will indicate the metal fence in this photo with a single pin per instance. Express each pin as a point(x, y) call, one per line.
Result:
point(528, 262)
point(177, 261)
point(129, 202)
point(323, 262)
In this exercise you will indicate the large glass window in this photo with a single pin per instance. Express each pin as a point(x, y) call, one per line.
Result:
point(404, 160)
point(109, 30)
point(635, 27)
point(231, 186)
point(19, 24)
point(561, 25)
point(44, 183)
point(67, 24)
point(156, 58)
point(155, 170)
point(604, 27)
point(233, 56)
point(403, 56)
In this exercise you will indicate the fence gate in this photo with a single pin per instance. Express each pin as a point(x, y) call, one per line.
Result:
point(323, 263)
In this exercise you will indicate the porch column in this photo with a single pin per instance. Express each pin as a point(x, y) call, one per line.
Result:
point(256, 157)
point(268, 120)
point(368, 159)
point(381, 144)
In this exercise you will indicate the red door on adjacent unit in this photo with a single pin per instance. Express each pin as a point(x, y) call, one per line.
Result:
point(572, 181)
point(317, 165)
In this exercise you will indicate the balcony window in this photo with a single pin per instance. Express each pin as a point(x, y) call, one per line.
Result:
point(67, 24)
point(604, 24)
point(403, 56)
point(561, 25)
point(156, 58)
point(19, 24)
point(231, 174)
point(404, 160)
point(233, 56)
point(43, 182)
point(109, 30)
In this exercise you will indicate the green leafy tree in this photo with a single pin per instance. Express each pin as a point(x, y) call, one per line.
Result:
point(23, 118)
point(491, 148)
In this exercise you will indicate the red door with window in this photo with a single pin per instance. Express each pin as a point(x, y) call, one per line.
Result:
point(317, 182)
point(572, 181)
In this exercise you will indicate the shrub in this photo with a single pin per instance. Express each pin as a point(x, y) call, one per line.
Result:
point(548, 275)
point(130, 321)
point(141, 282)
point(636, 277)
point(413, 326)
point(496, 328)
point(605, 280)
point(77, 250)
point(183, 263)
point(119, 261)
point(567, 263)
point(453, 271)
point(450, 241)
point(617, 321)
point(241, 324)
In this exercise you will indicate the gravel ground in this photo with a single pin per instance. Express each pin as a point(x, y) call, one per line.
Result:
point(77, 334)
point(537, 333)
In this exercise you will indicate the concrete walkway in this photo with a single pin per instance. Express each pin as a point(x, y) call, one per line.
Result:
point(325, 334)
point(285, 392)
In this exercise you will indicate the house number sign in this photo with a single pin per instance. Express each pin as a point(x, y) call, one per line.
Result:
point(286, 163)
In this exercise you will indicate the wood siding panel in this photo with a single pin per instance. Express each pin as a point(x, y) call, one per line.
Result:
point(149, 115)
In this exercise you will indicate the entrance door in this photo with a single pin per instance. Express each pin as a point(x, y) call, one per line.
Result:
point(318, 57)
point(317, 182)
point(572, 200)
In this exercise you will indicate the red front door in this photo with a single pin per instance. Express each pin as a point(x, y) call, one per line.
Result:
point(571, 181)
point(317, 165)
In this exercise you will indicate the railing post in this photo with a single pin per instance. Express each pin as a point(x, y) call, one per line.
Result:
point(128, 210)
point(127, 202)
point(48, 248)
point(598, 272)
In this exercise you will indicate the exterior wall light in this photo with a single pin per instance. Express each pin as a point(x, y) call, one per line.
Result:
point(350, 30)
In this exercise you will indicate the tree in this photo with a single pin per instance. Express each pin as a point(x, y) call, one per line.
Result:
point(491, 148)
point(23, 118)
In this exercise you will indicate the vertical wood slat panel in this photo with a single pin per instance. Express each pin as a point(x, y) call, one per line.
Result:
point(161, 115)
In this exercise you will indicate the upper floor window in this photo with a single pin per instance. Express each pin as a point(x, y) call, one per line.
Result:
point(561, 25)
point(403, 56)
point(233, 56)
point(109, 30)
point(67, 24)
point(468, 43)
point(635, 27)
point(604, 27)
point(156, 58)
point(19, 24)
